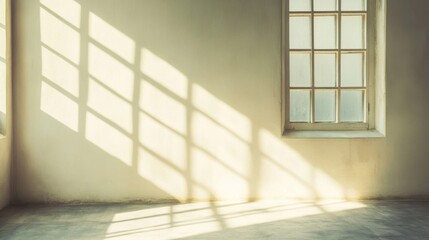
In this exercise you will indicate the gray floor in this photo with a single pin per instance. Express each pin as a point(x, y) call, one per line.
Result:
point(402, 220)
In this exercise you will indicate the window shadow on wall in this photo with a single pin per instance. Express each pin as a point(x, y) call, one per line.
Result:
point(180, 100)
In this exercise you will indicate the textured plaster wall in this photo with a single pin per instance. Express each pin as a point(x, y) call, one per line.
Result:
point(149, 100)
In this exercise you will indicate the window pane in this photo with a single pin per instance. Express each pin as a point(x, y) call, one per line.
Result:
point(325, 32)
point(352, 103)
point(300, 33)
point(300, 70)
point(324, 105)
point(325, 5)
point(353, 5)
point(353, 32)
point(325, 69)
point(299, 5)
point(352, 70)
point(300, 106)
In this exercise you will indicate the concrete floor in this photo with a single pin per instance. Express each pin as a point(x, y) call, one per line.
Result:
point(220, 220)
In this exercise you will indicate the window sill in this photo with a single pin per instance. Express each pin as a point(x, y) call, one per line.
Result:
point(296, 134)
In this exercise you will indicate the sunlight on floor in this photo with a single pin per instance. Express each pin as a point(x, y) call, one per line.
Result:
point(185, 220)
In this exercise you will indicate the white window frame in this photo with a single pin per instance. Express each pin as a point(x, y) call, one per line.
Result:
point(374, 124)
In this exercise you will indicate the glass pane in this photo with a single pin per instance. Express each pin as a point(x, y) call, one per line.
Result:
point(353, 5)
point(325, 32)
point(324, 105)
point(299, 5)
point(353, 32)
point(352, 70)
point(299, 106)
point(300, 70)
point(325, 69)
point(325, 5)
point(352, 102)
point(300, 32)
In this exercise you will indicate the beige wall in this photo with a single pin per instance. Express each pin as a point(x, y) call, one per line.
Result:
point(148, 100)
point(4, 172)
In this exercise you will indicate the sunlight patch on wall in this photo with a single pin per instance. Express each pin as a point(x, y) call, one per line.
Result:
point(326, 186)
point(279, 183)
point(69, 10)
point(3, 12)
point(2, 71)
point(162, 107)
point(222, 113)
point(220, 143)
point(3, 67)
point(164, 73)
point(2, 96)
point(111, 38)
point(2, 43)
point(109, 139)
point(288, 173)
point(214, 180)
point(2, 90)
point(162, 141)
point(59, 36)
point(163, 174)
point(110, 72)
point(110, 105)
point(60, 72)
point(284, 171)
point(280, 152)
point(59, 106)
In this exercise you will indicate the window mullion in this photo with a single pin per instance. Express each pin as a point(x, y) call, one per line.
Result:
point(366, 68)
point(312, 102)
point(338, 118)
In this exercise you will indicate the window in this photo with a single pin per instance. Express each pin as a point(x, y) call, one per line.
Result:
point(330, 64)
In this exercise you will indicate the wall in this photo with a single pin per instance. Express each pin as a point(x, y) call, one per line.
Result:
point(5, 166)
point(5, 106)
point(150, 100)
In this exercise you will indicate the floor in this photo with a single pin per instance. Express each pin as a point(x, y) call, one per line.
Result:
point(220, 220)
